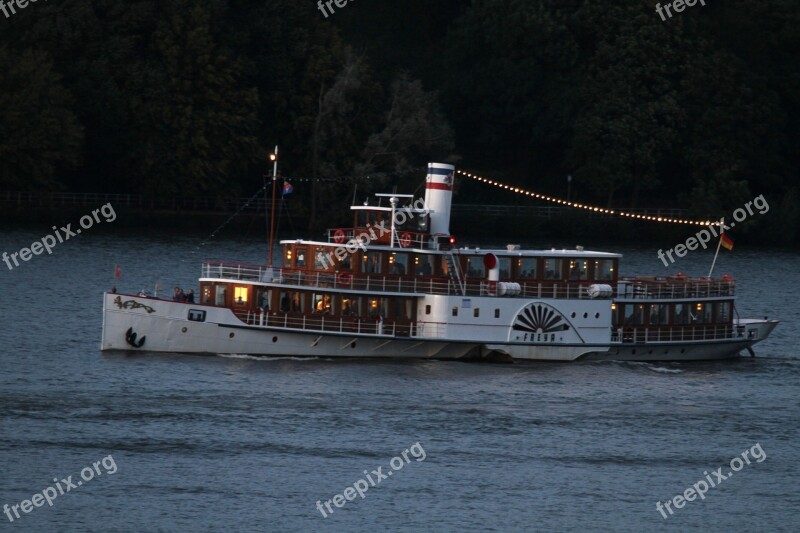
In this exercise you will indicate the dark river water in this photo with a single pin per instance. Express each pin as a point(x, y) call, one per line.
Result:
point(204, 443)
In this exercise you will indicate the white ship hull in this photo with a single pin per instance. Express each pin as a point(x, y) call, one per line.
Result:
point(153, 325)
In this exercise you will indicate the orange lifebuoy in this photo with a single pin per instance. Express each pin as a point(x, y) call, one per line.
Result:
point(405, 240)
point(339, 236)
point(345, 278)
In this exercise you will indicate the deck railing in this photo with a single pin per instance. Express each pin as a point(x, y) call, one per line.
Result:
point(355, 325)
point(673, 287)
point(704, 332)
point(385, 283)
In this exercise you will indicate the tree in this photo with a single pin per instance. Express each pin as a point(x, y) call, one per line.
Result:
point(39, 133)
point(630, 108)
point(195, 123)
point(414, 132)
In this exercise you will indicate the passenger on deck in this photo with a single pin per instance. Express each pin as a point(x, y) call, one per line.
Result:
point(190, 296)
point(178, 295)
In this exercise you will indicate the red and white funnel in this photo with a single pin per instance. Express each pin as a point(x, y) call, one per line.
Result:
point(439, 195)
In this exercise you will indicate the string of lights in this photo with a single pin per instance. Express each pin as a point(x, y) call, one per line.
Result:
point(576, 205)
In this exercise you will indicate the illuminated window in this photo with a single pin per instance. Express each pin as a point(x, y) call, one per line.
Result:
point(552, 269)
point(604, 270)
point(240, 295)
point(578, 269)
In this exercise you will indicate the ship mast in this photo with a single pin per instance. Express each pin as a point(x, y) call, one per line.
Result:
point(274, 158)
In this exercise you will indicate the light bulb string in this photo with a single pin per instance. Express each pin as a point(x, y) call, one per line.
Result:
point(577, 205)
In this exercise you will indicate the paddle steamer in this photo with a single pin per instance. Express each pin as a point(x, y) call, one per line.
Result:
point(396, 284)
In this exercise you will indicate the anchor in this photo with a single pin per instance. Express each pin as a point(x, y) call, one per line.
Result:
point(130, 337)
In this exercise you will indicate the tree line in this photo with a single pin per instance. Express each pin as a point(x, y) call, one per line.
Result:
point(187, 98)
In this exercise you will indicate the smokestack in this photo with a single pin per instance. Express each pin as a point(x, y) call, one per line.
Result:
point(439, 195)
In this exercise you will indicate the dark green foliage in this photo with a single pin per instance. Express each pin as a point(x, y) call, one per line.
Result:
point(188, 98)
point(39, 134)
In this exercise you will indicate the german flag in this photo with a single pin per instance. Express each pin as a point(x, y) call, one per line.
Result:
point(726, 241)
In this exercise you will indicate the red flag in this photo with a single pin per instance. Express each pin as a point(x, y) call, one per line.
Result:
point(117, 271)
point(726, 241)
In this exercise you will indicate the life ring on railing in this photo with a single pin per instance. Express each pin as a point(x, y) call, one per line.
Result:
point(345, 278)
point(405, 240)
point(339, 236)
point(726, 277)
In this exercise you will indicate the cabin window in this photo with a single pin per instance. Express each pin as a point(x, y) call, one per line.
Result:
point(723, 312)
point(398, 264)
point(404, 220)
point(634, 314)
point(552, 269)
point(323, 259)
point(475, 267)
point(422, 222)
point(504, 264)
point(322, 304)
point(263, 298)
point(402, 308)
point(196, 315)
point(497, 313)
point(703, 314)
point(240, 295)
point(377, 308)
point(293, 302)
point(659, 314)
point(578, 269)
point(423, 265)
point(347, 306)
point(455, 310)
point(476, 312)
point(301, 258)
point(427, 309)
point(604, 270)
point(207, 295)
point(220, 295)
point(373, 261)
point(526, 268)
point(682, 314)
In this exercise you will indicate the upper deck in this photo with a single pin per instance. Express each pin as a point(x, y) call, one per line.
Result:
point(418, 282)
